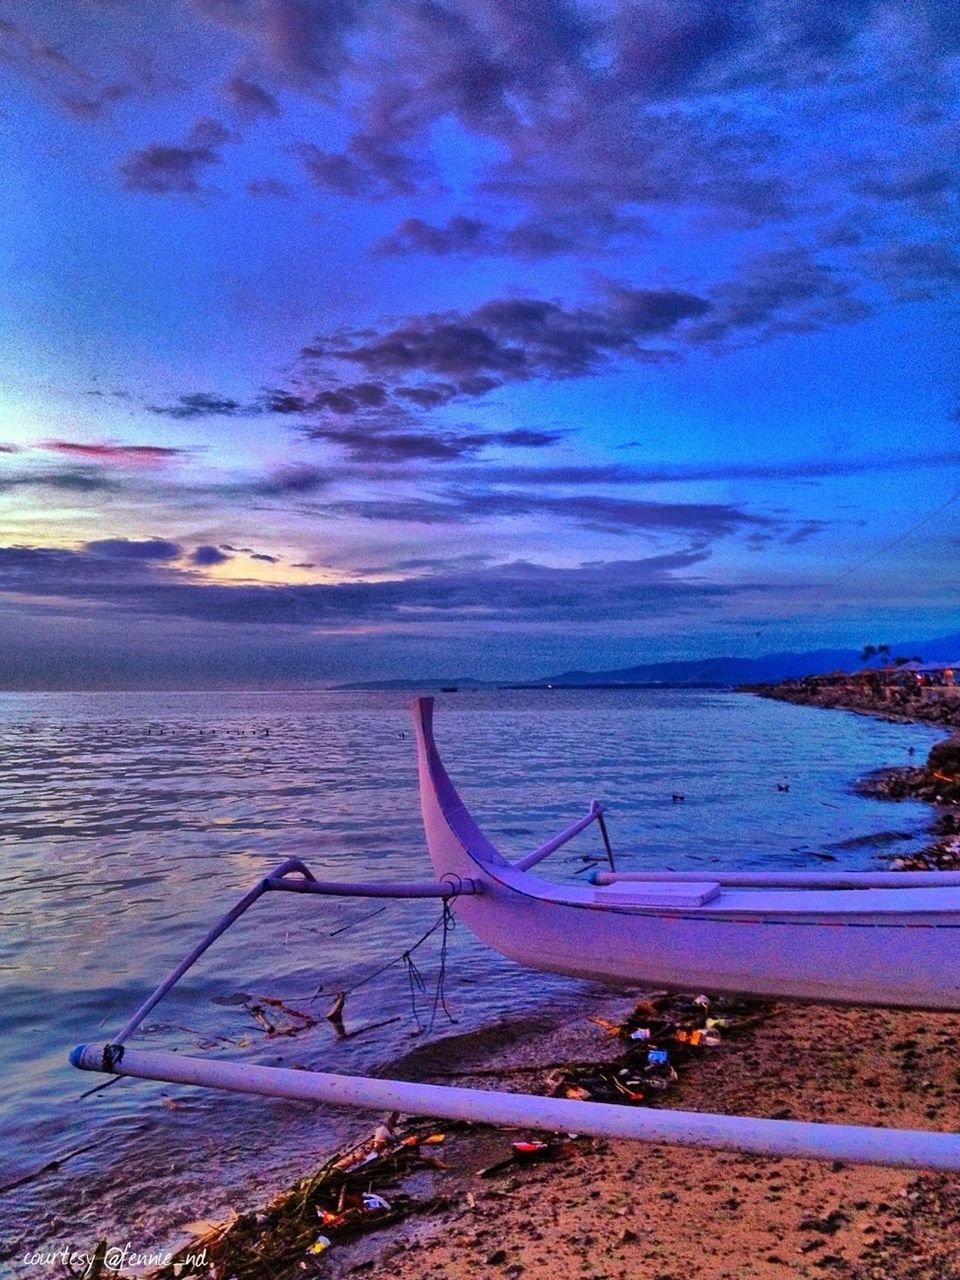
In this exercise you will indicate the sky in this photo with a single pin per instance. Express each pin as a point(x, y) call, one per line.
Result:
point(348, 341)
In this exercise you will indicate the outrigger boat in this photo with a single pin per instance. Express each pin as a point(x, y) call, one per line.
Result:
point(877, 938)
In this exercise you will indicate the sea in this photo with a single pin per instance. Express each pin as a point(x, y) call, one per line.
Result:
point(130, 821)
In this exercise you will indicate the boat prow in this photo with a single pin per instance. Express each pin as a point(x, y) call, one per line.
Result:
point(883, 938)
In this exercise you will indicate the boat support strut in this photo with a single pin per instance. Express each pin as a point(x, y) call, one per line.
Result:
point(306, 882)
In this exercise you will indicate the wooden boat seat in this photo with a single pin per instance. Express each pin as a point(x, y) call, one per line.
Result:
point(687, 893)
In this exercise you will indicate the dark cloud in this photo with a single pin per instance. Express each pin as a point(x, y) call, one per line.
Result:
point(121, 454)
point(368, 444)
point(74, 88)
point(292, 480)
point(261, 555)
point(918, 270)
point(915, 186)
point(369, 169)
point(300, 39)
point(516, 339)
point(631, 474)
point(248, 98)
point(617, 515)
point(430, 360)
point(162, 169)
point(531, 238)
point(207, 555)
point(598, 512)
point(276, 400)
point(612, 111)
point(778, 293)
point(92, 105)
point(134, 549)
point(518, 592)
point(199, 404)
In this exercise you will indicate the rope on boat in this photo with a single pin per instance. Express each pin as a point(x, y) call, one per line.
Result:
point(415, 979)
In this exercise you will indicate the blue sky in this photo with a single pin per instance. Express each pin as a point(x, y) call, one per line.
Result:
point(356, 340)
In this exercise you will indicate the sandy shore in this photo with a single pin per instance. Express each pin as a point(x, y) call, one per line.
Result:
point(617, 1209)
point(611, 1210)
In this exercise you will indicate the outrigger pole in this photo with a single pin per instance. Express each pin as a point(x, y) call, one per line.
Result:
point(904, 1148)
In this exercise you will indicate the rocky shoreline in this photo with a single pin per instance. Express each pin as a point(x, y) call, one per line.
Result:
point(899, 704)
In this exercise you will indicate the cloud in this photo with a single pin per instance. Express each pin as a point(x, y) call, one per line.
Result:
point(368, 169)
point(134, 549)
point(630, 474)
point(531, 238)
point(515, 339)
point(162, 169)
point(917, 270)
point(303, 40)
point(778, 293)
point(69, 480)
point(71, 86)
point(432, 359)
point(296, 479)
point(512, 593)
point(248, 98)
point(207, 555)
point(119, 454)
point(598, 512)
point(370, 444)
point(90, 106)
point(199, 404)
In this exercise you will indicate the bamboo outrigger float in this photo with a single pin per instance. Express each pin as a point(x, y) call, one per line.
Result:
point(857, 938)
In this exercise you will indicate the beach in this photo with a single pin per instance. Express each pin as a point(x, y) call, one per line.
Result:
point(618, 1209)
point(621, 1209)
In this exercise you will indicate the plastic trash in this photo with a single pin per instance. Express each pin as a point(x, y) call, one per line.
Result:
point(320, 1245)
point(641, 1033)
point(374, 1203)
point(531, 1150)
point(656, 1057)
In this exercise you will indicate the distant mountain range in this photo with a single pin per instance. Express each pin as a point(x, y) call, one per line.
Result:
point(704, 671)
point(768, 668)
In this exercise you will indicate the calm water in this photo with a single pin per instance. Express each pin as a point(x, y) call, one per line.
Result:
point(130, 821)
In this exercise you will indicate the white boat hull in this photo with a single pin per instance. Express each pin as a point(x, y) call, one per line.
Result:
point(883, 946)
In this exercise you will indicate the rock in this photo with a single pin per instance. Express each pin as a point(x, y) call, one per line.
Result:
point(944, 756)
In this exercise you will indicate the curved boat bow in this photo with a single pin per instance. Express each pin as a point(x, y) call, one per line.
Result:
point(790, 935)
